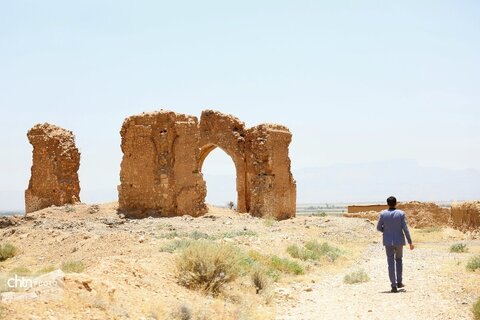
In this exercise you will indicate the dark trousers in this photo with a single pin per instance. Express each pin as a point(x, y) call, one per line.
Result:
point(395, 265)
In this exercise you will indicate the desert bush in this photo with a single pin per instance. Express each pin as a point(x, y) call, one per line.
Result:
point(69, 208)
point(474, 263)
point(2, 311)
point(183, 313)
point(314, 251)
point(7, 251)
point(286, 265)
point(207, 266)
point(319, 214)
point(239, 233)
point(269, 220)
point(324, 249)
point(276, 265)
point(260, 279)
point(458, 248)
point(476, 310)
point(21, 271)
point(231, 205)
point(301, 253)
point(356, 277)
point(176, 245)
point(196, 235)
point(73, 267)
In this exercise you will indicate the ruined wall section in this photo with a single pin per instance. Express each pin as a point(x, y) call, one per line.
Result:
point(272, 189)
point(159, 175)
point(54, 173)
point(228, 133)
point(466, 215)
point(366, 208)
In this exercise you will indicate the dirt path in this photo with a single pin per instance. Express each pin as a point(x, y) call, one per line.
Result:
point(424, 297)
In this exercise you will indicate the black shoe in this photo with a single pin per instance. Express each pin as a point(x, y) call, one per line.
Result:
point(400, 285)
point(394, 290)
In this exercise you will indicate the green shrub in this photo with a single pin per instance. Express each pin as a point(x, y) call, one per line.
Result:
point(7, 251)
point(356, 277)
point(476, 310)
point(207, 266)
point(474, 263)
point(73, 266)
point(319, 214)
point(314, 251)
point(196, 235)
point(286, 265)
point(276, 264)
point(458, 248)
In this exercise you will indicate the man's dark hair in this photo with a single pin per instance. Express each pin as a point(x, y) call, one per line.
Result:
point(392, 201)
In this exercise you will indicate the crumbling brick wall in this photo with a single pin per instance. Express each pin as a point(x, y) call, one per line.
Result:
point(466, 215)
point(164, 153)
point(270, 184)
point(159, 172)
point(54, 173)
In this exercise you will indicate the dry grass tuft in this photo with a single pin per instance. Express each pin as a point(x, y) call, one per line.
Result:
point(458, 248)
point(21, 271)
point(356, 277)
point(260, 279)
point(7, 251)
point(313, 250)
point(476, 310)
point(183, 313)
point(73, 266)
point(47, 269)
point(474, 263)
point(207, 266)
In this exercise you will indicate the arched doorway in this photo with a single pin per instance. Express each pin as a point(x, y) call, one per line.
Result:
point(219, 173)
point(239, 172)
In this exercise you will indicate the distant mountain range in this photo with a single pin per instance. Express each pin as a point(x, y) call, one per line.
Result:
point(373, 182)
point(369, 182)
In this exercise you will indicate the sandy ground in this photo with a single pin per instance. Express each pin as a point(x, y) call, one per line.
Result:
point(128, 276)
point(431, 291)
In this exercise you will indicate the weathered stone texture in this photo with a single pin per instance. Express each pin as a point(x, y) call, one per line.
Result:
point(466, 215)
point(56, 160)
point(164, 153)
point(227, 133)
point(270, 184)
point(159, 171)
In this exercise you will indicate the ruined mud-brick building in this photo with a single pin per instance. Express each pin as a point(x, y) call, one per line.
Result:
point(163, 154)
point(466, 215)
point(56, 160)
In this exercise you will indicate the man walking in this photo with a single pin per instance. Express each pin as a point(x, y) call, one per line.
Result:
point(393, 225)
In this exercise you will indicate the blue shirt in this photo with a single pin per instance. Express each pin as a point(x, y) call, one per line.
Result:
point(393, 224)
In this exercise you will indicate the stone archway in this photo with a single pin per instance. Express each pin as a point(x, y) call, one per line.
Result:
point(227, 133)
point(163, 153)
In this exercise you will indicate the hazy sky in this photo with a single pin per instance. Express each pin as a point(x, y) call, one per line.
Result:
point(356, 81)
